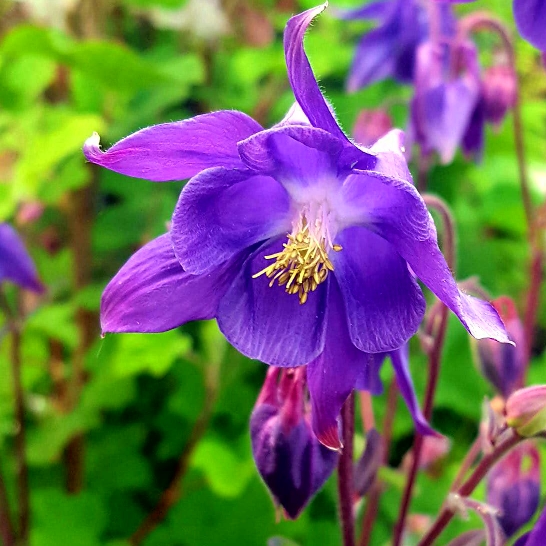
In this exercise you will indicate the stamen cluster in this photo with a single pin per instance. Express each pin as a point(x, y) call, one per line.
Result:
point(302, 265)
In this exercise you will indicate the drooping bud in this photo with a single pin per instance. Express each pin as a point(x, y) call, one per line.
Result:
point(500, 363)
point(499, 92)
point(513, 486)
point(537, 536)
point(368, 465)
point(526, 410)
point(370, 126)
point(292, 462)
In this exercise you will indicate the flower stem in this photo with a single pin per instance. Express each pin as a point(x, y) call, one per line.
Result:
point(366, 409)
point(435, 356)
point(470, 484)
point(471, 456)
point(482, 20)
point(374, 496)
point(345, 473)
point(20, 433)
point(533, 297)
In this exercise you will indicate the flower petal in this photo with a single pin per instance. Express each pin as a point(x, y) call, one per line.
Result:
point(222, 211)
point(373, 10)
point(266, 323)
point(384, 303)
point(530, 16)
point(332, 376)
point(399, 215)
point(16, 264)
point(301, 77)
point(178, 150)
point(300, 156)
point(152, 293)
point(400, 363)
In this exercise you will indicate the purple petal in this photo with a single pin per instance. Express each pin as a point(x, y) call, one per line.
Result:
point(268, 324)
point(398, 214)
point(400, 363)
point(384, 303)
point(368, 465)
point(373, 10)
point(16, 265)
point(222, 211)
point(332, 376)
point(178, 150)
point(301, 77)
point(374, 60)
point(530, 16)
point(152, 293)
point(537, 537)
point(300, 156)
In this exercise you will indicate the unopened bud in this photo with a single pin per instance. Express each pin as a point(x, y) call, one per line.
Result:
point(526, 410)
point(501, 363)
point(370, 126)
point(291, 461)
point(499, 92)
point(513, 486)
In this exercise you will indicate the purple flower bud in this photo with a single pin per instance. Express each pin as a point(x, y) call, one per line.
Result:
point(16, 265)
point(526, 410)
point(371, 125)
point(504, 365)
point(499, 92)
point(536, 537)
point(513, 486)
point(292, 462)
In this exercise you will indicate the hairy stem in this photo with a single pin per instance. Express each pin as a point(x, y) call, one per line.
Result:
point(470, 484)
point(345, 474)
point(374, 496)
point(435, 357)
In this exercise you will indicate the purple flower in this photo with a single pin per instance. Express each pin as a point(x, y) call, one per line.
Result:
point(513, 486)
point(388, 51)
point(16, 265)
point(447, 110)
point(536, 537)
point(500, 89)
point(290, 459)
point(504, 365)
point(530, 18)
point(294, 238)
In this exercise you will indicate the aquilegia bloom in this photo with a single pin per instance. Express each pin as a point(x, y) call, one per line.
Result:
point(387, 51)
point(530, 16)
point(16, 265)
point(295, 239)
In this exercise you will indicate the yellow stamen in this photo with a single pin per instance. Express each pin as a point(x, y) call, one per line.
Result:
point(302, 265)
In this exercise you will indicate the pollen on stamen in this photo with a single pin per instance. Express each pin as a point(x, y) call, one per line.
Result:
point(302, 265)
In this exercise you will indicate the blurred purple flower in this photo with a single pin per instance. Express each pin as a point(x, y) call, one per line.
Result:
point(504, 365)
point(447, 109)
point(16, 265)
point(294, 238)
point(388, 51)
point(292, 462)
point(536, 537)
point(499, 90)
point(530, 16)
point(513, 486)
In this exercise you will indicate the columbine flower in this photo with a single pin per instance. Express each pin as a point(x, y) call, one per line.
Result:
point(530, 16)
point(513, 486)
point(295, 239)
point(500, 89)
point(536, 537)
point(290, 459)
point(504, 365)
point(16, 265)
point(387, 51)
point(526, 410)
point(447, 111)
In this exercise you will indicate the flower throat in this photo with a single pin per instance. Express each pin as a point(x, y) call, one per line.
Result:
point(303, 264)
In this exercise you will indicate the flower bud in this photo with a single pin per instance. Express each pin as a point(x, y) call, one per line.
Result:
point(503, 365)
point(499, 92)
point(513, 486)
point(370, 126)
point(526, 410)
point(291, 461)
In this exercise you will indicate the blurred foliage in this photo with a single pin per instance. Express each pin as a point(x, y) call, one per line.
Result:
point(147, 405)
